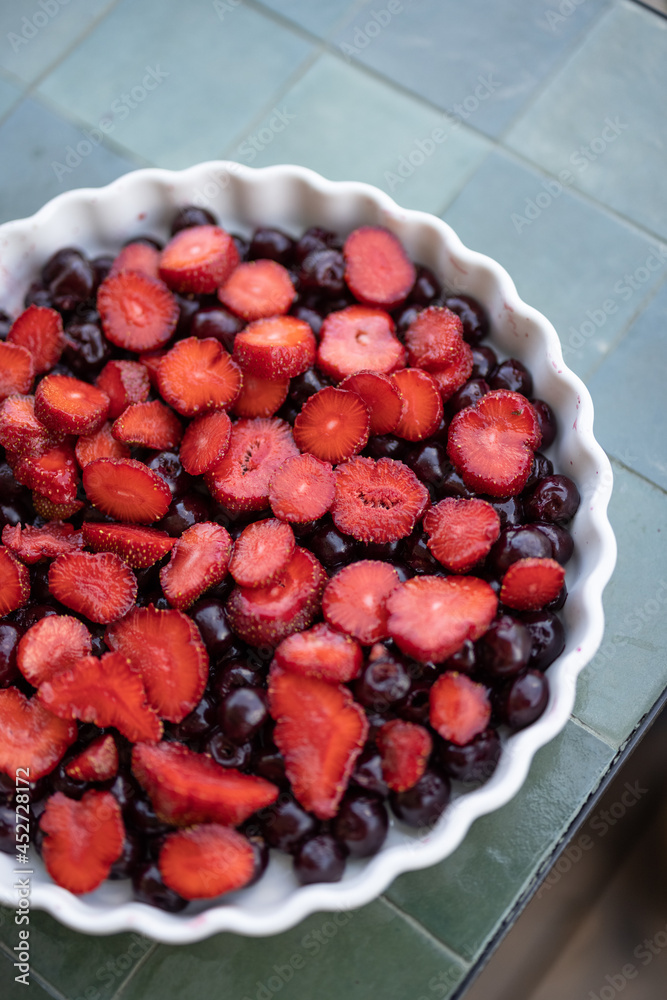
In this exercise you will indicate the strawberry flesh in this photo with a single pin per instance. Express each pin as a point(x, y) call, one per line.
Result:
point(257, 290)
point(434, 339)
point(257, 449)
point(196, 376)
point(149, 425)
point(404, 749)
point(124, 382)
point(16, 369)
point(20, 430)
point(40, 330)
point(199, 560)
point(14, 582)
point(54, 473)
point(198, 259)
point(138, 545)
point(126, 489)
point(82, 839)
point(302, 489)
point(461, 532)
point(205, 861)
point(101, 587)
point(30, 736)
point(32, 545)
point(333, 425)
point(138, 312)
point(531, 583)
point(378, 271)
point(137, 257)
point(421, 410)
point(460, 708)
point(102, 444)
point(355, 599)
point(320, 651)
point(381, 396)
point(357, 339)
point(262, 552)
point(205, 442)
point(98, 762)
point(53, 643)
point(260, 397)
point(69, 406)
point(276, 348)
point(377, 501)
point(455, 375)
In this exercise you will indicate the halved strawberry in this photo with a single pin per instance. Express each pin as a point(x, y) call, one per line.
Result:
point(302, 489)
point(435, 338)
point(276, 348)
point(198, 259)
point(138, 545)
point(453, 376)
point(124, 382)
point(260, 397)
point(98, 762)
point(137, 312)
point(269, 614)
point(126, 489)
point(83, 839)
point(382, 398)
point(151, 362)
point(31, 545)
point(137, 257)
point(52, 511)
point(378, 271)
point(531, 583)
point(20, 430)
point(102, 587)
point(258, 289)
point(199, 560)
point(430, 617)
point(262, 552)
point(54, 473)
point(491, 443)
point(196, 376)
point(422, 406)
point(206, 860)
point(377, 501)
point(321, 651)
point(69, 406)
point(358, 339)
point(166, 649)
point(186, 787)
point(319, 731)
point(106, 691)
point(150, 425)
point(14, 582)
point(257, 448)
point(333, 425)
point(30, 736)
point(404, 749)
point(460, 708)
point(355, 599)
point(461, 532)
point(102, 444)
point(205, 441)
point(40, 331)
point(16, 369)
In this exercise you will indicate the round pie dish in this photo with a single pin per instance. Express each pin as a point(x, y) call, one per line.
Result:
point(293, 198)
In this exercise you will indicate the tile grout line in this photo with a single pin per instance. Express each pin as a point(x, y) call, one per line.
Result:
point(593, 732)
point(419, 928)
point(640, 475)
point(142, 961)
point(53, 991)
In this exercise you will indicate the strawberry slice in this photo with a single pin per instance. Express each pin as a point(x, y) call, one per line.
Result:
point(405, 748)
point(51, 511)
point(205, 861)
point(137, 257)
point(54, 473)
point(83, 839)
point(435, 338)
point(333, 425)
point(531, 583)
point(258, 289)
point(30, 736)
point(151, 362)
point(381, 396)
point(377, 501)
point(359, 339)
point(98, 762)
point(102, 444)
point(461, 532)
point(302, 489)
point(430, 617)
point(126, 489)
point(460, 708)
point(260, 397)
point(40, 331)
point(105, 691)
point(322, 652)
point(69, 406)
point(166, 649)
point(151, 425)
point(257, 448)
point(14, 582)
point(422, 406)
point(186, 787)
point(453, 376)
point(378, 271)
point(355, 599)
point(205, 442)
point(124, 382)
point(101, 587)
point(276, 348)
point(16, 369)
point(32, 545)
point(138, 546)
point(198, 259)
point(267, 615)
point(137, 312)
point(262, 552)
point(198, 375)
point(199, 560)
point(53, 643)
point(20, 430)
point(320, 732)
point(491, 443)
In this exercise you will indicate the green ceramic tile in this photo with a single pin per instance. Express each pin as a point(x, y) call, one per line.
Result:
point(603, 116)
point(463, 900)
point(349, 126)
point(10, 989)
point(9, 94)
point(320, 18)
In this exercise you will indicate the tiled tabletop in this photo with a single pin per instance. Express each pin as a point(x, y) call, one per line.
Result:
point(553, 162)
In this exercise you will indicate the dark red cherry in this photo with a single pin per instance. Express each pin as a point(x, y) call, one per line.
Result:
point(218, 323)
point(285, 824)
point(192, 215)
point(361, 823)
point(484, 360)
point(504, 649)
point(523, 699)
point(476, 761)
point(561, 540)
point(421, 805)
point(513, 375)
point(319, 859)
point(473, 315)
point(426, 288)
point(554, 499)
point(522, 542)
point(273, 244)
point(210, 618)
point(467, 395)
point(547, 421)
point(149, 888)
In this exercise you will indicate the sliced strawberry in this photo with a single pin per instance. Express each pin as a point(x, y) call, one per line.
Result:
point(20, 430)
point(276, 348)
point(98, 762)
point(205, 861)
point(319, 731)
point(461, 532)
point(491, 443)
point(83, 839)
point(31, 545)
point(186, 787)
point(333, 425)
point(166, 649)
point(52, 511)
point(269, 614)
point(150, 425)
point(435, 338)
point(430, 617)
point(124, 382)
point(257, 448)
point(30, 736)
point(102, 587)
point(40, 331)
point(102, 444)
point(199, 560)
point(359, 339)
point(453, 376)
point(69, 406)
point(260, 397)
point(355, 599)
point(126, 489)
point(54, 473)
point(138, 312)
point(382, 398)
point(422, 406)
point(151, 362)
point(258, 289)
point(322, 652)
point(377, 501)
point(302, 489)
point(137, 257)
point(205, 442)
point(196, 376)
point(16, 369)
point(404, 749)
point(137, 545)
point(531, 583)
point(105, 691)
point(14, 582)
point(198, 259)
point(460, 708)
point(378, 271)
point(262, 552)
